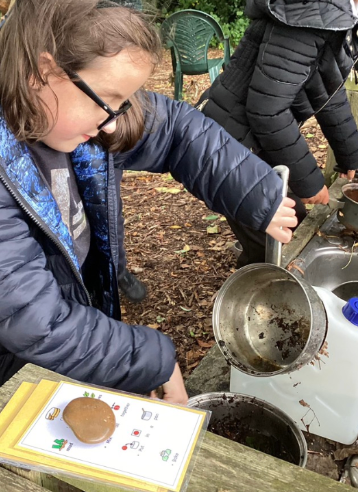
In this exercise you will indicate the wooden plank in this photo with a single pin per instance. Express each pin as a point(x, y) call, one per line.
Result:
point(328, 170)
point(44, 481)
point(10, 482)
point(352, 96)
point(221, 465)
point(310, 225)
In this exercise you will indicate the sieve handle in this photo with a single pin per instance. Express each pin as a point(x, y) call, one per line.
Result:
point(274, 248)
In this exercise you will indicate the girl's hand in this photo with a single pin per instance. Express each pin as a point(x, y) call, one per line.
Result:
point(284, 218)
point(174, 389)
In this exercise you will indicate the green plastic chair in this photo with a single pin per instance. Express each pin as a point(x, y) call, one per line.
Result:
point(187, 34)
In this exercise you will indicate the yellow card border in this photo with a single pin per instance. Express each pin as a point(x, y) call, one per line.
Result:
point(25, 418)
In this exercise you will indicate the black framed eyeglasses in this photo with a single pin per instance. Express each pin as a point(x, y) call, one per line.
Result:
point(113, 115)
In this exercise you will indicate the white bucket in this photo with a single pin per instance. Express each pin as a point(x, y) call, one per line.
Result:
point(322, 396)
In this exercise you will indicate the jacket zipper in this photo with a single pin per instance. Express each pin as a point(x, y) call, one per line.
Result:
point(334, 93)
point(48, 233)
point(325, 104)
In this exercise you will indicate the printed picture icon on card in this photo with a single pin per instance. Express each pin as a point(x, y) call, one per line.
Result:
point(52, 414)
point(165, 454)
point(146, 415)
point(59, 444)
point(132, 445)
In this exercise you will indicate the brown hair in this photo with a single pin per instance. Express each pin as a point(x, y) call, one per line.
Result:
point(74, 32)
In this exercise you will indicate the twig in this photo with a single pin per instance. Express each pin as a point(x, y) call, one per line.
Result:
point(351, 255)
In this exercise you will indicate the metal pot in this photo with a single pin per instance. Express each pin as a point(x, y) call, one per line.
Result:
point(255, 418)
point(265, 320)
point(348, 206)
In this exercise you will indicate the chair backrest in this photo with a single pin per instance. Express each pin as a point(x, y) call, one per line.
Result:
point(189, 33)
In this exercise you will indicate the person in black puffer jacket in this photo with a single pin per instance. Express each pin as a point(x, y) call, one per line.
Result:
point(291, 64)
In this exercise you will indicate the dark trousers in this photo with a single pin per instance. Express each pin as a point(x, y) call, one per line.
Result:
point(253, 242)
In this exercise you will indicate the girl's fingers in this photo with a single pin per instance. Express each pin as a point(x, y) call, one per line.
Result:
point(288, 202)
point(288, 221)
point(286, 211)
point(284, 235)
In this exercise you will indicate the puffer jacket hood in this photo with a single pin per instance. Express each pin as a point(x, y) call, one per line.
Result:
point(335, 15)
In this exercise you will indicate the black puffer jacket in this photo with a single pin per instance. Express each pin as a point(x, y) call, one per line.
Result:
point(291, 64)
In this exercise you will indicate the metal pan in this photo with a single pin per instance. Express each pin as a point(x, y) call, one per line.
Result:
point(265, 320)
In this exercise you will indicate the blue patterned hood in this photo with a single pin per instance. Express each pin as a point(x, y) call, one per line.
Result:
point(90, 163)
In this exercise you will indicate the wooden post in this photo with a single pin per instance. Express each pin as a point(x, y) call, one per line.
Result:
point(352, 96)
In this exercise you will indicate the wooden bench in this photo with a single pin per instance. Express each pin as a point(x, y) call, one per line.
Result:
point(221, 465)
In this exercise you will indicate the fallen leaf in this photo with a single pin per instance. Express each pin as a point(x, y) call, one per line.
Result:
point(206, 344)
point(310, 135)
point(303, 403)
point(168, 177)
point(211, 217)
point(175, 227)
point(341, 454)
point(213, 229)
point(155, 326)
point(160, 319)
point(185, 309)
point(184, 250)
point(173, 191)
point(292, 266)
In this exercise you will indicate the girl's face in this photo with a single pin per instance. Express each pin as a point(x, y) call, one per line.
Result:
point(114, 79)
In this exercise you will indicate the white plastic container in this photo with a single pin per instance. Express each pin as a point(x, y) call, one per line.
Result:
point(322, 397)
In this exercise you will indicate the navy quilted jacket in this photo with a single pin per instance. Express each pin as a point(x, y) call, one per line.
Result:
point(67, 319)
point(291, 64)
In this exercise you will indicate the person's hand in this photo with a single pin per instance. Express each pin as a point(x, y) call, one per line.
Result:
point(284, 218)
point(350, 174)
point(321, 197)
point(174, 389)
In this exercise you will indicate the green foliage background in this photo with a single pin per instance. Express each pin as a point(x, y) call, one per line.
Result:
point(229, 14)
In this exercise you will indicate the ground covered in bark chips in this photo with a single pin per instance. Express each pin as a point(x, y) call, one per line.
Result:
point(183, 253)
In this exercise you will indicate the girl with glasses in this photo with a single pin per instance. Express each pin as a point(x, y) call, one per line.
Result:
point(72, 111)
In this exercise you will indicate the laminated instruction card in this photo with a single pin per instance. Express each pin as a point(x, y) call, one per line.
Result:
point(150, 449)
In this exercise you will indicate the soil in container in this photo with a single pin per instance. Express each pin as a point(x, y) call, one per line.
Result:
point(236, 430)
point(352, 194)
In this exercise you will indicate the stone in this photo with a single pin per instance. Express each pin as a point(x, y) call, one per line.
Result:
point(212, 374)
point(92, 421)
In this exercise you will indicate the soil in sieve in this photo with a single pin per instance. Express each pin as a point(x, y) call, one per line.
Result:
point(234, 429)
